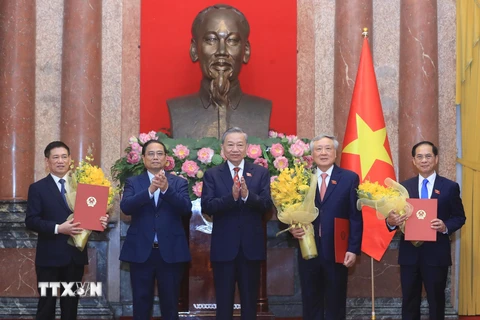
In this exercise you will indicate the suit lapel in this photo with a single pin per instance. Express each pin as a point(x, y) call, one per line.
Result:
point(55, 191)
point(226, 176)
point(413, 192)
point(145, 183)
point(248, 170)
point(437, 187)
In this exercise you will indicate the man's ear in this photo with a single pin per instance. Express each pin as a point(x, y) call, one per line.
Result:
point(246, 56)
point(193, 50)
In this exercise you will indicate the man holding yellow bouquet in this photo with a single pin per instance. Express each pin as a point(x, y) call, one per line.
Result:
point(47, 210)
point(323, 281)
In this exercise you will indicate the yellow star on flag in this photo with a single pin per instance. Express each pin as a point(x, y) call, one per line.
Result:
point(369, 145)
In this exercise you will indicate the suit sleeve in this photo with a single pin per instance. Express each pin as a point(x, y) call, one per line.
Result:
point(132, 199)
point(211, 204)
point(177, 196)
point(356, 220)
point(34, 217)
point(261, 202)
point(457, 213)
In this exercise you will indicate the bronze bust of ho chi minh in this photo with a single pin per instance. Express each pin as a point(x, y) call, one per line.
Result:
point(220, 44)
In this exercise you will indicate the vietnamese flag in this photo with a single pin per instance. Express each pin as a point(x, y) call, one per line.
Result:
point(366, 150)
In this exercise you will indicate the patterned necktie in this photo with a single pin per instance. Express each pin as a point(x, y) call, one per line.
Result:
point(323, 187)
point(424, 194)
point(236, 179)
point(63, 191)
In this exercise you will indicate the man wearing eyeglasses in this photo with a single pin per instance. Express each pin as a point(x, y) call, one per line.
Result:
point(429, 262)
point(156, 245)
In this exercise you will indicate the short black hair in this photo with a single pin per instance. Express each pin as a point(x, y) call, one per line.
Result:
point(53, 145)
point(149, 142)
point(434, 148)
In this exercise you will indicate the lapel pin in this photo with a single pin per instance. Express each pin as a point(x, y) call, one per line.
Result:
point(334, 181)
point(249, 174)
point(437, 191)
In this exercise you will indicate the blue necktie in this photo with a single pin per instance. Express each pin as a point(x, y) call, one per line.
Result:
point(63, 191)
point(424, 194)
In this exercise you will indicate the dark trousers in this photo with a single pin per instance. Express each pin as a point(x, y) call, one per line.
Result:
point(68, 305)
point(244, 272)
point(434, 279)
point(324, 287)
point(168, 276)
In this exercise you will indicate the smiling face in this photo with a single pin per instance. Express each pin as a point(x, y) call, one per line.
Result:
point(235, 147)
point(324, 153)
point(425, 160)
point(58, 162)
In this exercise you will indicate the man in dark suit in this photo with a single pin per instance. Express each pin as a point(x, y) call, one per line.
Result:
point(156, 245)
point(323, 281)
point(429, 262)
point(237, 195)
point(47, 212)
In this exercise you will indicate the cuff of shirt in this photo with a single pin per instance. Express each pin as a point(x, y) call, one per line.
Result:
point(56, 229)
point(389, 226)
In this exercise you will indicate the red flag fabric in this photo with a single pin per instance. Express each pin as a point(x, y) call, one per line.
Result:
point(366, 149)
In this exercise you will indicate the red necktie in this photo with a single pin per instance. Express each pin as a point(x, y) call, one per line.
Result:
point(323, 187)
point(236, 179)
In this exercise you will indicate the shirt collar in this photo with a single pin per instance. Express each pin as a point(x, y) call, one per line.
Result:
point(430, 178)
point(241, 165)
point(329, 172)
point(57, 179)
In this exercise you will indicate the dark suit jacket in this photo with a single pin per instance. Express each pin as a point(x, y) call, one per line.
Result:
point(340, 202)
point(450, 211)
point(45, 208)
point(236, 223)
point(165, 219)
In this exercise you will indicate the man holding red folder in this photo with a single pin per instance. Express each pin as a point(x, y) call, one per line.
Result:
point(324, 279)
point(428, 262)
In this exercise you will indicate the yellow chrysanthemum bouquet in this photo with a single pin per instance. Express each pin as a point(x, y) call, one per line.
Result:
point(384, 199)
point(86, 173)
point(293, 193)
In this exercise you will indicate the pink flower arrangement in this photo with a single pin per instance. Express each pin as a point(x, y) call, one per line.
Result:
point(197, 188)
point(254, 151)
point(133, 157)
point(170, 164)
point(277, 150)
point(181, 151)
point(262, 162)
point(205, 155)
point(296, 150)
point(190, 168)
point(280, 163)
point(190, 159)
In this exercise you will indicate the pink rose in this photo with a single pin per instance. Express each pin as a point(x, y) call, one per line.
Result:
point(197, 188)
point(205, 155)
point(296, 150)
point(292, 138)
point(144, 137)
point(309, 160)
point(254, 151)
point(277, 150)
point(281, 135)
point(261, 162)
point(169, 164)
point(181, 152)
point(305, 146)
point(133, 157)
point(280, 163)
point(190, 168)
point(272, 179)
point(272, 134)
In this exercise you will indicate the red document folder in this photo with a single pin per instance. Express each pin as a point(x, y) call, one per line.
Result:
point(342, 230)
point(90, 204)
point(418, 225)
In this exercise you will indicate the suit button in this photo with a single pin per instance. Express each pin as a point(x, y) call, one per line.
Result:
point(156, 215)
